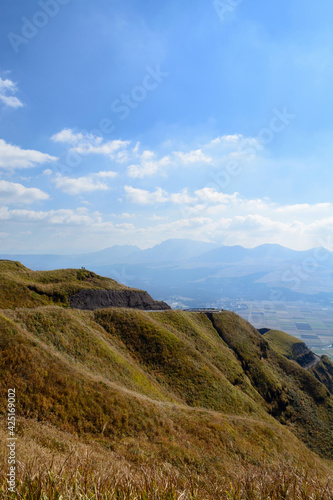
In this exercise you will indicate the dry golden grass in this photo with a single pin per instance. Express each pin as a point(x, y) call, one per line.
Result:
point(282, 342)
point(127, 404)
point(21, 287)
point(80, 477)
point(58, 382)
point(55, 465)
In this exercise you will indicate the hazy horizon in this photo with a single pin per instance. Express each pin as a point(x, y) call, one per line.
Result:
point(142, 247)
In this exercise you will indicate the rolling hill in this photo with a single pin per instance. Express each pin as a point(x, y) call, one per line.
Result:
point(156, 401)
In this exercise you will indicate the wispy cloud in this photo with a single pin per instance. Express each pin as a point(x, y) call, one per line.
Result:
point(232, 219)
point(212, 154)
point(86, 143)
point(85, 184)
point(65, 219)
point(225, 219)
point(196, 156)
point(78, 216)
point(147, 165)
point(7, 90)
point(143, 197)
point(206, 196)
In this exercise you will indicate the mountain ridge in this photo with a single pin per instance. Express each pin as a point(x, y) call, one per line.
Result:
point(179, 246)
point(169, 270)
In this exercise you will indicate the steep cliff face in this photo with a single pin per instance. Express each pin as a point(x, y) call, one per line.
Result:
point(290, 347)
point(323, 371)
point(77, 288)
point(99, 299)
point(303, 355)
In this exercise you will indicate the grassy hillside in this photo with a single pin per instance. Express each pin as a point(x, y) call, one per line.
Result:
point(282, 342)
point(293, 395)
point(294, 349)
point(323, 371)
point(21, 287)
point(201, 396)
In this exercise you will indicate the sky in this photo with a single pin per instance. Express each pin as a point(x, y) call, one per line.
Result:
point(136, 121)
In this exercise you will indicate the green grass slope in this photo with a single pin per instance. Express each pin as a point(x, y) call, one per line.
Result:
point(282, 342)
point(292, 394)
point(323, 371)
point(291, 347)
point(294, 349)
point(21, 287)
point(169, 412)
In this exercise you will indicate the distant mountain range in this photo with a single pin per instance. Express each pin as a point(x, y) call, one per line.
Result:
point(195, 273)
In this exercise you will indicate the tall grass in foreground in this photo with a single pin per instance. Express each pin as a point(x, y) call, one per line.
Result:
point(77, 478)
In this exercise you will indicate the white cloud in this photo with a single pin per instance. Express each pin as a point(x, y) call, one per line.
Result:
point(215, 203)
point(7, 89)
point(85, 184)
point(182, 198)
point(11, 192)
point(306, 209)
point(235, 142)
point(235, 138)
point(255, 223)
point(107, 148)
point(85, 143)
point(147, 165)
point(235, 148)
point(226, 219)
point(204, 213)
point(206, 196)
point(140, 171)
point(143, 197)
point(123, 156)
point(12, 157)
point(230, 219)
point(211, 196)
point(77, 217)
point(192, 157)
point(105, 174)
point(79, 185)
point(69, 137)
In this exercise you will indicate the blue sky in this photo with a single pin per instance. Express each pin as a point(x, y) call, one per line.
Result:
point(131, 122)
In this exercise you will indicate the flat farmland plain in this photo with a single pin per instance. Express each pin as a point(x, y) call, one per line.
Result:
point(310, 322)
